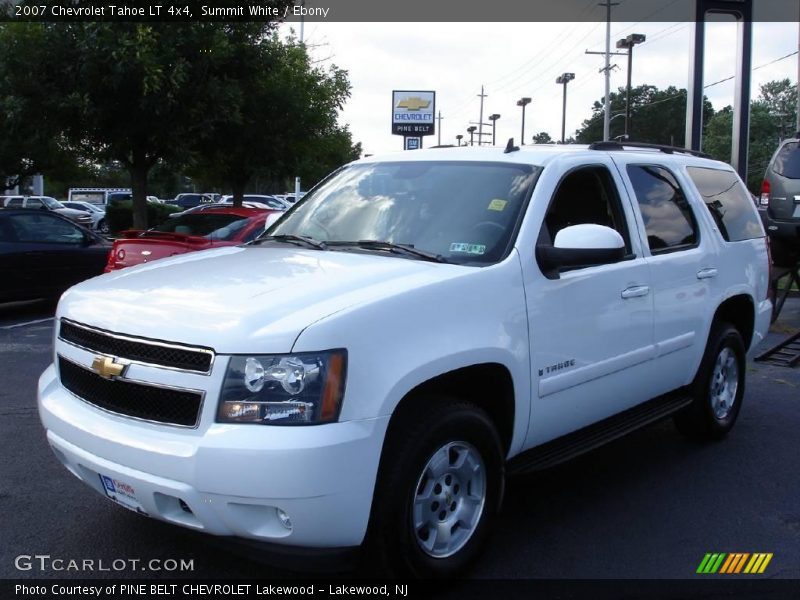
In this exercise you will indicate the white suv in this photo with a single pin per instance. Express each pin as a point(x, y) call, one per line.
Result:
point(420, 326)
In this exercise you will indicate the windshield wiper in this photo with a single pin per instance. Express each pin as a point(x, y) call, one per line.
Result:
point(407, 249)
point(300, 240)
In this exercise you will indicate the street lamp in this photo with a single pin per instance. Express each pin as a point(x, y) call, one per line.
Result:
point(459, 137)
point(471, 131)
point(493, 118)
point(523, 102)
point(628, 43)
point(564, 79)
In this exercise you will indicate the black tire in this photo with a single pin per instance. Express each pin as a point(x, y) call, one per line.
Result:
point(435, 428)
point(784, 253)
point(102, 226)
point(715, 407)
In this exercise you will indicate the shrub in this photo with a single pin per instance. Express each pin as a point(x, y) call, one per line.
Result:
point(119, 215)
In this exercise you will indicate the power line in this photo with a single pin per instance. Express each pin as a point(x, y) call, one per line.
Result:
point(753, 69)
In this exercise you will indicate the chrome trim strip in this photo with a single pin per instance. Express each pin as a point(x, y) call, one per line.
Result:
point(139, 340)
point(139, 382)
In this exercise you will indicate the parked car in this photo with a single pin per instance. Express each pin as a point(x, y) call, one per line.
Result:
point(50, 204)
point(212, 228)
point(99, 196)
point(779, 205)
point(96, 211)
point(266, 201)
point(190, 200)
point(422, 324)
point(43, 253)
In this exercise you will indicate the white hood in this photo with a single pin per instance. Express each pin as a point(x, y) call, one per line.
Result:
point(242, 299)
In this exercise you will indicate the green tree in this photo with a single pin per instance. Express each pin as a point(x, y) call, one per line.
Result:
point(280, 121)
point(135, 93)
point(657, 116)
point(542, 138)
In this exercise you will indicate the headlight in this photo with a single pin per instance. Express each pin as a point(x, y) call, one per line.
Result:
point(293, 389)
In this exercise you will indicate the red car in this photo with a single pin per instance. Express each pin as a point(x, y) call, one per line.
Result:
point(212, 228)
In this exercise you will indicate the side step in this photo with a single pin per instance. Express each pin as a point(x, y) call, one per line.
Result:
point(785, 354)
point(576, 443)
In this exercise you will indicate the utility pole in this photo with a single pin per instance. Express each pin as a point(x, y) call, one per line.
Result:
point(439, 129)
point(471, 131)
point(798, 78)
point(564, 80)
point(480, 118)
point(607, 69)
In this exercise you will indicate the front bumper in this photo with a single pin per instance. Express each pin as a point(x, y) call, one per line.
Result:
point(226, 480)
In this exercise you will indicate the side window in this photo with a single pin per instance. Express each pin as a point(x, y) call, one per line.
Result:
point(728, 202)
point(44, 228)
point(585, 195)
point(33, 203)
point(667, 216)
point(14, 203)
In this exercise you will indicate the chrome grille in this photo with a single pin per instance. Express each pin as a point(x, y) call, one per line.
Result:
point(132, 398)
point(151, 352)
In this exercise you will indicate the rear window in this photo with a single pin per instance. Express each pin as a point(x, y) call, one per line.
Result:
point(212, 226)
point(728, 202)
point(787, 161)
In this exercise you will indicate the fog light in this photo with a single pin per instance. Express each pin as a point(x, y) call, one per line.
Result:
point(284, 519)
point(241, 411)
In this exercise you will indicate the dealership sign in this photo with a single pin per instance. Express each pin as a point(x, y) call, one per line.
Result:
point(413, 113)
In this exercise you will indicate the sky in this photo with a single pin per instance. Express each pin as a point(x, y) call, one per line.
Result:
point(512, 60)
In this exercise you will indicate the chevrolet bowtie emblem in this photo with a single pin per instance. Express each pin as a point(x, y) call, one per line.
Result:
point(106, 367)
point(413, 103)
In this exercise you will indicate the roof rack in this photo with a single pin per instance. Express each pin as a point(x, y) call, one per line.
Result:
point(611, 145)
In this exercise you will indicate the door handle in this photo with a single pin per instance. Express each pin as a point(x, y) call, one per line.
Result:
point(707, 273)
point(635, 291)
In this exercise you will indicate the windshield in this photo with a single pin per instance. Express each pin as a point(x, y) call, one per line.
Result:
point(466, 212)
point(211, 226)
point(52, 203)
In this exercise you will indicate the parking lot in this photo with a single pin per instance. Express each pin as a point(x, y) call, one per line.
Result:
point(647, 506)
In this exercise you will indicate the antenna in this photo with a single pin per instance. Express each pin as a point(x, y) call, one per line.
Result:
point(510, 147)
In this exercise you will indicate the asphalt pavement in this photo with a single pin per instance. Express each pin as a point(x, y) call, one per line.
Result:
point(649, 506)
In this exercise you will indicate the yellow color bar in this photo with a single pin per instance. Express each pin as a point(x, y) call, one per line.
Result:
point(765, 563)
point(740, 564)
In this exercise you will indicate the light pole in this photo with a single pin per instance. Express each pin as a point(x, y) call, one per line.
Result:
point(459, 137)
point(564, 80)
point(523, 102)
point(628, 43)
point(471, 131)
point(493, 118)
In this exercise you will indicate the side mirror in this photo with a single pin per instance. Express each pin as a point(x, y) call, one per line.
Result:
point(582, 245)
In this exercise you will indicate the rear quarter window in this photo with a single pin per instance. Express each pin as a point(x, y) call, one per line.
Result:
point(728, 202)
point(787, 161)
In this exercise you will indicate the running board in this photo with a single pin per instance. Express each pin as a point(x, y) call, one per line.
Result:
point(576, 443)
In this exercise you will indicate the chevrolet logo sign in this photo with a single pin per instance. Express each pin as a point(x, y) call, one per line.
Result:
point(413, 103)
point(106, 367)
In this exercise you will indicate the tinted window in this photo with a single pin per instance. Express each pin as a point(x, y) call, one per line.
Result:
point(463, 211)
point(728, 202)
point(14, 203)
point(666, 213)
point(43, 227)
point(787, 161)
point(33, 203)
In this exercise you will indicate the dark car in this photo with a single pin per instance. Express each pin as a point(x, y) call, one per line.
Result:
point(190, 200)
point(42, 254)
point(779, 205)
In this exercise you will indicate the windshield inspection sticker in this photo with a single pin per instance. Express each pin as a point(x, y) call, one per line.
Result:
point(467, 248)
point(497, 204)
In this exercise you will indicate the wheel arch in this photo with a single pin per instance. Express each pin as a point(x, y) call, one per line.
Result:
point(490, 386)
point(740, 311)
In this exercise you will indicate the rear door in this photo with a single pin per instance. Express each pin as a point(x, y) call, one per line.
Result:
point(684, 265)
